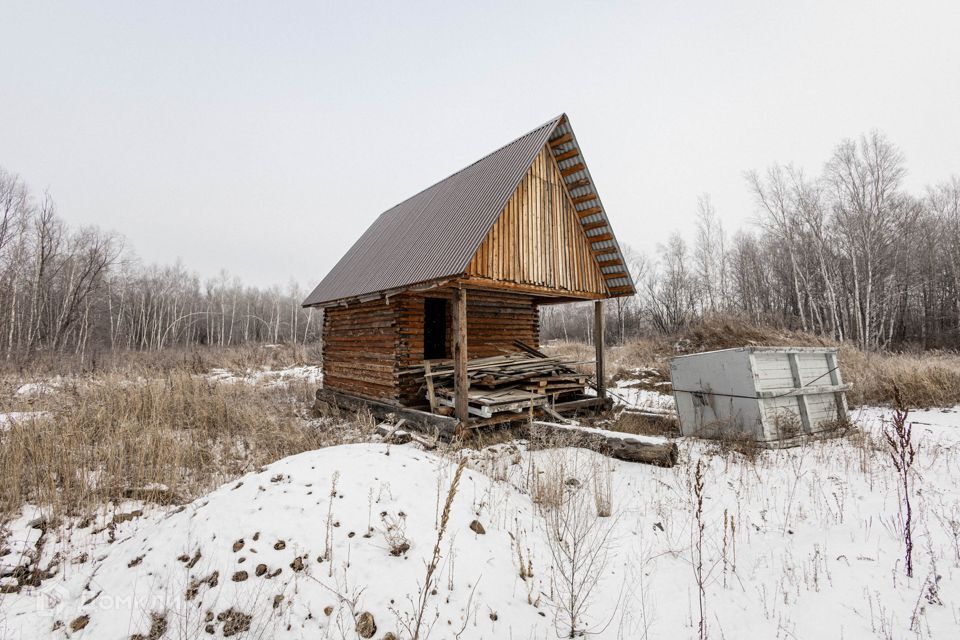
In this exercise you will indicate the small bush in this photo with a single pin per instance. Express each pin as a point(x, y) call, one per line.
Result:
point(740, 443)
point(644, 425)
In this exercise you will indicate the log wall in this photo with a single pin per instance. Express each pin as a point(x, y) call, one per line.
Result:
point(367, 346)
point(538, 240)
point(359, 349)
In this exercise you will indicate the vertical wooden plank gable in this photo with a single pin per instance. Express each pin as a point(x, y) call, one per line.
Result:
point(538, 239)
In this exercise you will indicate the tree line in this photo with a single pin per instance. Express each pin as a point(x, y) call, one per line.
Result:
point(71, 290)
point(846, 253)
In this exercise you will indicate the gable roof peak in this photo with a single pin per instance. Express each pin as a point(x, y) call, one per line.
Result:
point(435, 233)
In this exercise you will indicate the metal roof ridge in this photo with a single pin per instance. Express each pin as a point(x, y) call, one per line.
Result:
point(554, 121)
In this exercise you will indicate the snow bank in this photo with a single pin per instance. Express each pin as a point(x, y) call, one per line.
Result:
point(256, 547)
point(938, 426)
point(797, 543)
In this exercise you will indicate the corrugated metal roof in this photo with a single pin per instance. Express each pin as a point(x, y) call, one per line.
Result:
point(435, 234)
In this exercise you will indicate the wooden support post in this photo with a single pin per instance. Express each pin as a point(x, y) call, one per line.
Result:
point(461, 385)
point(598, 340)
point(431, 394)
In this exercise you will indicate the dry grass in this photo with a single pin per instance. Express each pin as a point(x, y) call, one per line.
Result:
point(650, 353)
point(929, 379)
point(725, 332)
point(580, 354)
point(644, 425)
point(925, 380)
point(168, 437)
point(201, 359)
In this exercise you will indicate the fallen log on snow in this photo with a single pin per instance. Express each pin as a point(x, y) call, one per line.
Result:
point(393, 434)
point(623, 446)
point(651, 411)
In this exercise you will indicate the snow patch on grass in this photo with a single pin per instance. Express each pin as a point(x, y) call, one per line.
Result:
point(269, 377)
point(632, 393)
point(39, 388)
point(9, 419)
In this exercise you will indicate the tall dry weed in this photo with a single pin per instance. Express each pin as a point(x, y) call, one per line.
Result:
point(167, 438)
point(132, 362)
point(927, 379)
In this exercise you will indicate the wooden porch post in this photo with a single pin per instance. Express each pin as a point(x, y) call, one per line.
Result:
point(461, 385)
point(598, 341)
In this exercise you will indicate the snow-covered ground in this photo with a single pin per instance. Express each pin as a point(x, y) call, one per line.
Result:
point(633, 394)
point(13, 417)
point(269, 377)
point(32, 389)
point(800, 543)
point(939, 428)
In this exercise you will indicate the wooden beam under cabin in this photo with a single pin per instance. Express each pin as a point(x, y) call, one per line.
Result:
point(567, 155)
point(572, 169)
point(576, 184)
point(598, 340)
point(431, 394)
point(586, 198)
point(623, 289)
point(619, 274)
point(381, 409)
point(461, 384)
point(589, 211)
point(595, 225)
point(556, 142)
point(609, 263)
point(603, 237)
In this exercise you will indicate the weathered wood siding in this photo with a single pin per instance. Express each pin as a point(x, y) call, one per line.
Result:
point(360, 349)
point(494, 321)
point(538, 240)
point(367, 347)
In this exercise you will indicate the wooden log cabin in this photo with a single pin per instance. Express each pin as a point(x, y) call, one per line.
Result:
point(459, 271)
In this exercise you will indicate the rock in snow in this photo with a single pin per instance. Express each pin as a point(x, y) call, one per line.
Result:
point(303, 575)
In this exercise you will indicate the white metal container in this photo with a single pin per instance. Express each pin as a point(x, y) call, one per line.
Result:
point(774, 395)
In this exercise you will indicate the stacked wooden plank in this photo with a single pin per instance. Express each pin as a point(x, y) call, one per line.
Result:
point(512, 382)
point(494, 321)
point(486, 403)
point(557, 384)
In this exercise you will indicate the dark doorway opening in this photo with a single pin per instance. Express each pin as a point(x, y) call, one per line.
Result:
point(434, 328)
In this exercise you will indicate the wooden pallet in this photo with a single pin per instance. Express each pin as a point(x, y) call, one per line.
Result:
point(486, 403)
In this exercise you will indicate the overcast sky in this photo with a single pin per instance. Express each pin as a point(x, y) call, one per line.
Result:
point(263, 138)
